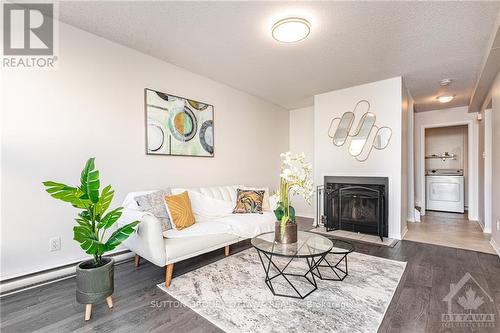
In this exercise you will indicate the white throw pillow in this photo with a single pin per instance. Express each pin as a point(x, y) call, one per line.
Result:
point(205, 207)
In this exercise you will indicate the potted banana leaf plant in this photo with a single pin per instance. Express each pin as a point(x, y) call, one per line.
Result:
point(295, 180)
point(94, 277)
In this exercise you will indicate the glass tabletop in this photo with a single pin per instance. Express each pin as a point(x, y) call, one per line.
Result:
point(308, 244)
point(341, 247)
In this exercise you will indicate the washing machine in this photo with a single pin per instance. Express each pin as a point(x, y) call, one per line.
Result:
point(445, 190)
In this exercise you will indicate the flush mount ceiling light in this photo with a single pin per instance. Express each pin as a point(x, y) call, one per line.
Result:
point(445, 82)
point(291, 29)
point(445, 98)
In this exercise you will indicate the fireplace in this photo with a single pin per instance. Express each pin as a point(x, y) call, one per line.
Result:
point(358, 204)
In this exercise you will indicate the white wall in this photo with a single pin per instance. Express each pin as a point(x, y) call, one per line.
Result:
point(452, 139)
point(440, 118)
point(93, 105)
point(385, 98)
point(302, 141)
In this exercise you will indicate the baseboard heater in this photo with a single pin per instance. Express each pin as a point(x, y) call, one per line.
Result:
point(32, 280)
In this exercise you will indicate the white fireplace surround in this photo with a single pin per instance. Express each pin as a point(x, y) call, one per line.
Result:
point(387, 99)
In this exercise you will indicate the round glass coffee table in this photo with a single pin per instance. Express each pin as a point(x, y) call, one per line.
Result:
point(310, 247)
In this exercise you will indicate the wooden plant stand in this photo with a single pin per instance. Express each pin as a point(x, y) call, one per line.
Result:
point(88, 307)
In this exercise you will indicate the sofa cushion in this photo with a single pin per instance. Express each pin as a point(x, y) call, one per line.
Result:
point(226, 193)
point(178, 249)
point(249, 201)
point(180, 211)
point(265, 203)
point(131, 203)
point(200, 228)
point(154, 203)
point(249, 225)
point(205, 207)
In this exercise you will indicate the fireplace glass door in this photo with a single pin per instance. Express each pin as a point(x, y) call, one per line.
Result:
point(356, 208)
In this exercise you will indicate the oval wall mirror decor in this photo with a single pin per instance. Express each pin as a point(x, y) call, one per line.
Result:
point(358, 140)
point(382, 138)
point(363, 138)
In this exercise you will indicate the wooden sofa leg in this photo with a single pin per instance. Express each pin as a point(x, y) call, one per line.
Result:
point(226, 250)
point(137, 261)
point(168, 274)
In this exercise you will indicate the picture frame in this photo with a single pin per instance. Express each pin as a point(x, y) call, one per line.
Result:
point(178, 126)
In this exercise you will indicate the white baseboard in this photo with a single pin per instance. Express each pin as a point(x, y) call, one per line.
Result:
point(480, 224)
point(485, 230)
point(29, 281)
point(308, 215)
point(473, 218)
point(495, 246)
point(403, 232)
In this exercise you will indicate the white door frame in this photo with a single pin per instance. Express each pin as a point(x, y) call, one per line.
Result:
point(471, 170)
point(488, 169)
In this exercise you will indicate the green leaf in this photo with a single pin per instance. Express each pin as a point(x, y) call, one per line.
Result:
point(110, 218)
point(279, 212)
point(292, 213)
point(104, 200)
point(89, 180)
point(88, 240)
point(66, 193)
point(83, 223)
point(120, 235)
point(85, 215)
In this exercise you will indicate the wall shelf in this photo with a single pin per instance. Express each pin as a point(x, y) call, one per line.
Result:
point(443, 157)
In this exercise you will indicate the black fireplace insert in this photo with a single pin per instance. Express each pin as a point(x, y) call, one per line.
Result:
point(358, 204)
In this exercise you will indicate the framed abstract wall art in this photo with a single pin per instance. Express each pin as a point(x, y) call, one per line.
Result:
point(178, 126)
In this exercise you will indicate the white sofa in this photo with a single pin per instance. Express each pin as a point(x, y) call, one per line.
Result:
point(207, 234)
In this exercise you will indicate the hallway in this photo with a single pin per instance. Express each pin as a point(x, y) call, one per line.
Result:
point(450, 229)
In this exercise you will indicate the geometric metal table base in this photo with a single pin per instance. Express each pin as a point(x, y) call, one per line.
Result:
point(267, 261)
point(311, 247)
point(337, 268)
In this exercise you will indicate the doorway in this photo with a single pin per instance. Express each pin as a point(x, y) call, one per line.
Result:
point(448, 153)
point(446, 161)
point(471, 167)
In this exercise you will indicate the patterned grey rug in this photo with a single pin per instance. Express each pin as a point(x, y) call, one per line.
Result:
point(231, 293)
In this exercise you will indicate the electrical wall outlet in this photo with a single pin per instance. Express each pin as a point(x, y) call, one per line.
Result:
point(498, 225)
point(55, 244)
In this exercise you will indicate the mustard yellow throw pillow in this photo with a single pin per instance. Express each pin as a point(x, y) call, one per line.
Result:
point(179, 207)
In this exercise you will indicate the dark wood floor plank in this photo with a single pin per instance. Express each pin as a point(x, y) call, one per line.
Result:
point(412, 310)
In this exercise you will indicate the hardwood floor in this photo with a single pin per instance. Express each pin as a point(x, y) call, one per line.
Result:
point(450, 229)
point(139, 306)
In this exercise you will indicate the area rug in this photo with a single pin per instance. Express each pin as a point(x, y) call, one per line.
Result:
point(231, 293)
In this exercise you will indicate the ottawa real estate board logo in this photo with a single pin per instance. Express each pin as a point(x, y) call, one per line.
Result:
point(29, 36)
point(469, 306)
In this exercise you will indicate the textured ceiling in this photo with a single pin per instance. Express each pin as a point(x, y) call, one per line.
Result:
point(350, 43)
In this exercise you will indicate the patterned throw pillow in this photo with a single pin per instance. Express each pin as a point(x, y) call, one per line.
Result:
point(249, 201)
point(179, 207)
point(154, 203)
